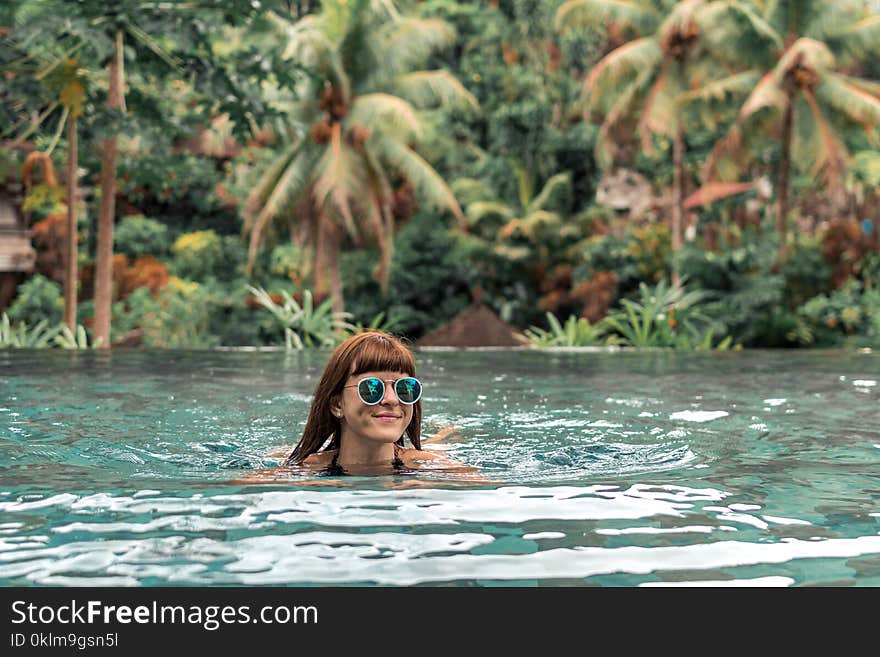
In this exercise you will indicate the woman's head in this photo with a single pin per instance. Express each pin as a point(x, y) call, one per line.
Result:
point(338, 409)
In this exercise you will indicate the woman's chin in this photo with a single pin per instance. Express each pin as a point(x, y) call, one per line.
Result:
point(387, 437)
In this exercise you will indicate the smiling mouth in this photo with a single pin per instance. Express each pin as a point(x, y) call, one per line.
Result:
point(387, 417)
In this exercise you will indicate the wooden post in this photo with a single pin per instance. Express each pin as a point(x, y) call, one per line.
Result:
point(70, 277)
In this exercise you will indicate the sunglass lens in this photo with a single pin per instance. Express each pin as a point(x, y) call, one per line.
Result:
point(371, 390)
point(408, 390)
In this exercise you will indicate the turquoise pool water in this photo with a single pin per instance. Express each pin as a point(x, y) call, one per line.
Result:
point(627, 468)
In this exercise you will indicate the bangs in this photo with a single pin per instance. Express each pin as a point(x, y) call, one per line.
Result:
point(380, 354)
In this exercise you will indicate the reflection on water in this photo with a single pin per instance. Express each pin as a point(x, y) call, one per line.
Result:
point(756, 468)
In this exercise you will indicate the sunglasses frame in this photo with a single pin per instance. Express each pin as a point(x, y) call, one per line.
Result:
point(393, 387)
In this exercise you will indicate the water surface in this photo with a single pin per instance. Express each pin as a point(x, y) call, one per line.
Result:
point(627, 468)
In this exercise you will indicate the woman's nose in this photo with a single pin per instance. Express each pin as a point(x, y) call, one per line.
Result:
point(390, 398)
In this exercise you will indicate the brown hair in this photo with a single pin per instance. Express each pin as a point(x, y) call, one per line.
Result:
point(371, 351)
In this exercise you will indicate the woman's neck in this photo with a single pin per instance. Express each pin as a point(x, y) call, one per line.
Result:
point(357, 453)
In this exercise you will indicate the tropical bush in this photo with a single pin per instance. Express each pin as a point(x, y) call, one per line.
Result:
point(847, 316)
point(754, 299)
point(642, 255)
point(177, 317)
point(79, 339)
point(576, 332)
point(664, 316)
point(137, 236)
point(429, 284)
point(21, 336)
point(304, 324)
point(41, 336)
point(204, 254)
point(39, 299)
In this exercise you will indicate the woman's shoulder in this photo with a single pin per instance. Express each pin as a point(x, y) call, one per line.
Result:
point(411, 453)
point(419, 457)
point(320, 458)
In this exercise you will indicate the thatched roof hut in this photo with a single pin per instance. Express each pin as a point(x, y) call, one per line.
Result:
point(475, 326)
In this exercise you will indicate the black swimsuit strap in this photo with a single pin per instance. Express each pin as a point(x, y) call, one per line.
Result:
point(336, 470)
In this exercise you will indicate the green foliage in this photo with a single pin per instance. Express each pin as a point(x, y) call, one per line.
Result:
point(576, 332)
point(204, 254)
point(429, 282)
point(664, 316)
point(178, 318)
point(20, 336)
point(754, 298)
point(44, 200)
point(39, 298)
point(137, 236)
point(848, 316)
point(305, 326)
point(197, 254)
point(288, 261)
point(378, 323)
point(67, 339)
point(642, 255)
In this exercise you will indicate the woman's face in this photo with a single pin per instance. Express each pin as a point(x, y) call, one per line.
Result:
point(384, 422)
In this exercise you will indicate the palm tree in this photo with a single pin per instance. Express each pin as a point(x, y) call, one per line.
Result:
point(795, 87)
point(57, 65)
point(354, 126)
point(643, 78)
point(514, 231)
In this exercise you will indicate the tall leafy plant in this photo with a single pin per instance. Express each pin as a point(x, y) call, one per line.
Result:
point(792, 88)
point(352, 130)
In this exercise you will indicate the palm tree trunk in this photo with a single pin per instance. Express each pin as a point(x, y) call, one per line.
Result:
point(104, 255)
point(319, 261)
point(326, 261)
point(784, 168)
point(677, 198)
point(71, 273)
point(333, 244)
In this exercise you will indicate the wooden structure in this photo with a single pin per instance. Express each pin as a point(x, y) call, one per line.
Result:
point(17, 255)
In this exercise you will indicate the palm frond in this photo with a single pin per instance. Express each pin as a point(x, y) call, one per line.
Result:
point(715, 15)
point(658, 115)
point(559, 181)
point(267, 183)
point(409, 42)
point(733, 86)
point(640, 16)
point(724, 161)
point(309, 45)
point(870, 86)
point(865, 168)
point(629, 59)
point(151, 44)
point(380, 216)
point(335, 178)
point(807, 53)
point(430, 88)
point(857, 39)
point(471, 190)
point(623, 107)
point(380, 111)
point(422, 175)
point(291, 185)
point(766, 93)
point(479, 210)
point(831, 154)
point(853, 102)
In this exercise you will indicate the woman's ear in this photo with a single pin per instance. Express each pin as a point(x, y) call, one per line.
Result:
point(336, 407)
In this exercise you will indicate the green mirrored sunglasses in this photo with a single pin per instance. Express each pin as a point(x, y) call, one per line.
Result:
point(371, 390)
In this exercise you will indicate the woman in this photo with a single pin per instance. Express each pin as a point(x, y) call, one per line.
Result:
point(367, 402)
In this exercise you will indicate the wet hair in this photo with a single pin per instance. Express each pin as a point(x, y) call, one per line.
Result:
point(371, 351)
